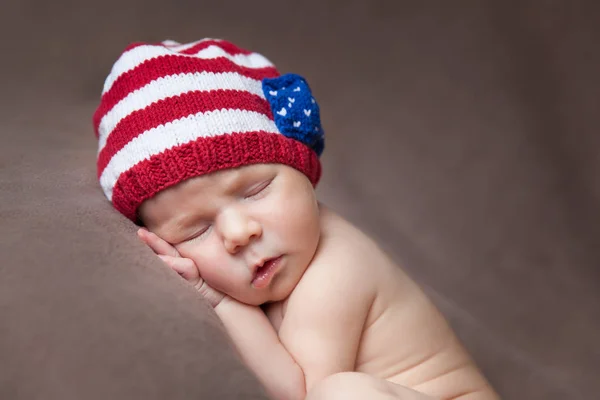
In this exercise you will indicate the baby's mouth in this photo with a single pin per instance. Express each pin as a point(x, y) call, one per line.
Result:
point(264, 273)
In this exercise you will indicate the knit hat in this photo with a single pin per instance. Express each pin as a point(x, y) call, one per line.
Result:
point(172, 111)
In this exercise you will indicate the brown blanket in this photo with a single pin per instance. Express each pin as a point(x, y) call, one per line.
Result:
point(463, 137)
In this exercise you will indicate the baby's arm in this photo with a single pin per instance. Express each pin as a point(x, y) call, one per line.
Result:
point(261, 349)
point(325, 316)
point(248, 326)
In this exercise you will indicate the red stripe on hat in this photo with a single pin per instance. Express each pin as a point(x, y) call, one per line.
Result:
point(174, 108)
point(228, 47)
point(206, 155)
point(158, 67)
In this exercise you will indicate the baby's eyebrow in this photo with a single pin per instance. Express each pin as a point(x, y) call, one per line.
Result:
point(239, 182)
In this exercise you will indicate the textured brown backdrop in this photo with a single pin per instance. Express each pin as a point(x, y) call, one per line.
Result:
point(462, 135)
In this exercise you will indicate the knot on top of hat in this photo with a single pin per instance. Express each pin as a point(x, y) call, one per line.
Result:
point(295, 111)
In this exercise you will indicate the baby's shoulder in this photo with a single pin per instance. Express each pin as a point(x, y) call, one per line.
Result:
point(342, 283)
point(351, 247)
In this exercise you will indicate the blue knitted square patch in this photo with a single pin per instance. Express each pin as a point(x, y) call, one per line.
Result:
point(295, 110)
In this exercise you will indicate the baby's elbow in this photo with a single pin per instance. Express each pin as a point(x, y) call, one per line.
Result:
point(292, 387)
point(298, 394)
point(298, 390)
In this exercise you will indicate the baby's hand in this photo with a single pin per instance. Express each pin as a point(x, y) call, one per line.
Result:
point(185, 267)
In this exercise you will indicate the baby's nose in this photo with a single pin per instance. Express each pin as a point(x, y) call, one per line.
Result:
point(237, 230)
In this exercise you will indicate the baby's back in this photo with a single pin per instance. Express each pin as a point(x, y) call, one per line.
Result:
point(404, 338)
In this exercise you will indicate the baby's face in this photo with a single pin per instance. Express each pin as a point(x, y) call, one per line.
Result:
point(252, 231)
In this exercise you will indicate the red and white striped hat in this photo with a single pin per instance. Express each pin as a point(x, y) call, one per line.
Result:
point(172, 111)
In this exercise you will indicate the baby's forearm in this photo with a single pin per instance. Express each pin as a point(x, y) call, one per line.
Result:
point(261, 349)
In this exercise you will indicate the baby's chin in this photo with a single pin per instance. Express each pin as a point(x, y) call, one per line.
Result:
point(264, 300)
point(258, 299)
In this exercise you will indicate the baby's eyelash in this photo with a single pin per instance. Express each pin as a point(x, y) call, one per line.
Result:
point(199, 234)
point(259, 189)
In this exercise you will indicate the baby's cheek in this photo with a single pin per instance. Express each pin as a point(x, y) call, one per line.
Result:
point(214, 276)
point(296, 202)
point(299, 228)
point(201, 251)
point(302, 212)
point(214, 269)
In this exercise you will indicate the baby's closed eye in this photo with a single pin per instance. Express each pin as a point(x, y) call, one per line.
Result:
point(259, 190)
point(202, 232)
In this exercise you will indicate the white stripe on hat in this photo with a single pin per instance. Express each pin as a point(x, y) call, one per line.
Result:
point(181, 131)
point(173, 85)
point(170, 43)
point(136, 56)
point(252, 60)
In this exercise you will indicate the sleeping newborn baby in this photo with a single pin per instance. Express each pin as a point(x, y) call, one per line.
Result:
point(216, 155)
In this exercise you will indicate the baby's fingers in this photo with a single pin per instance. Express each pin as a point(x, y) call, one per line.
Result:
point(184, 267)
point(158, 245)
